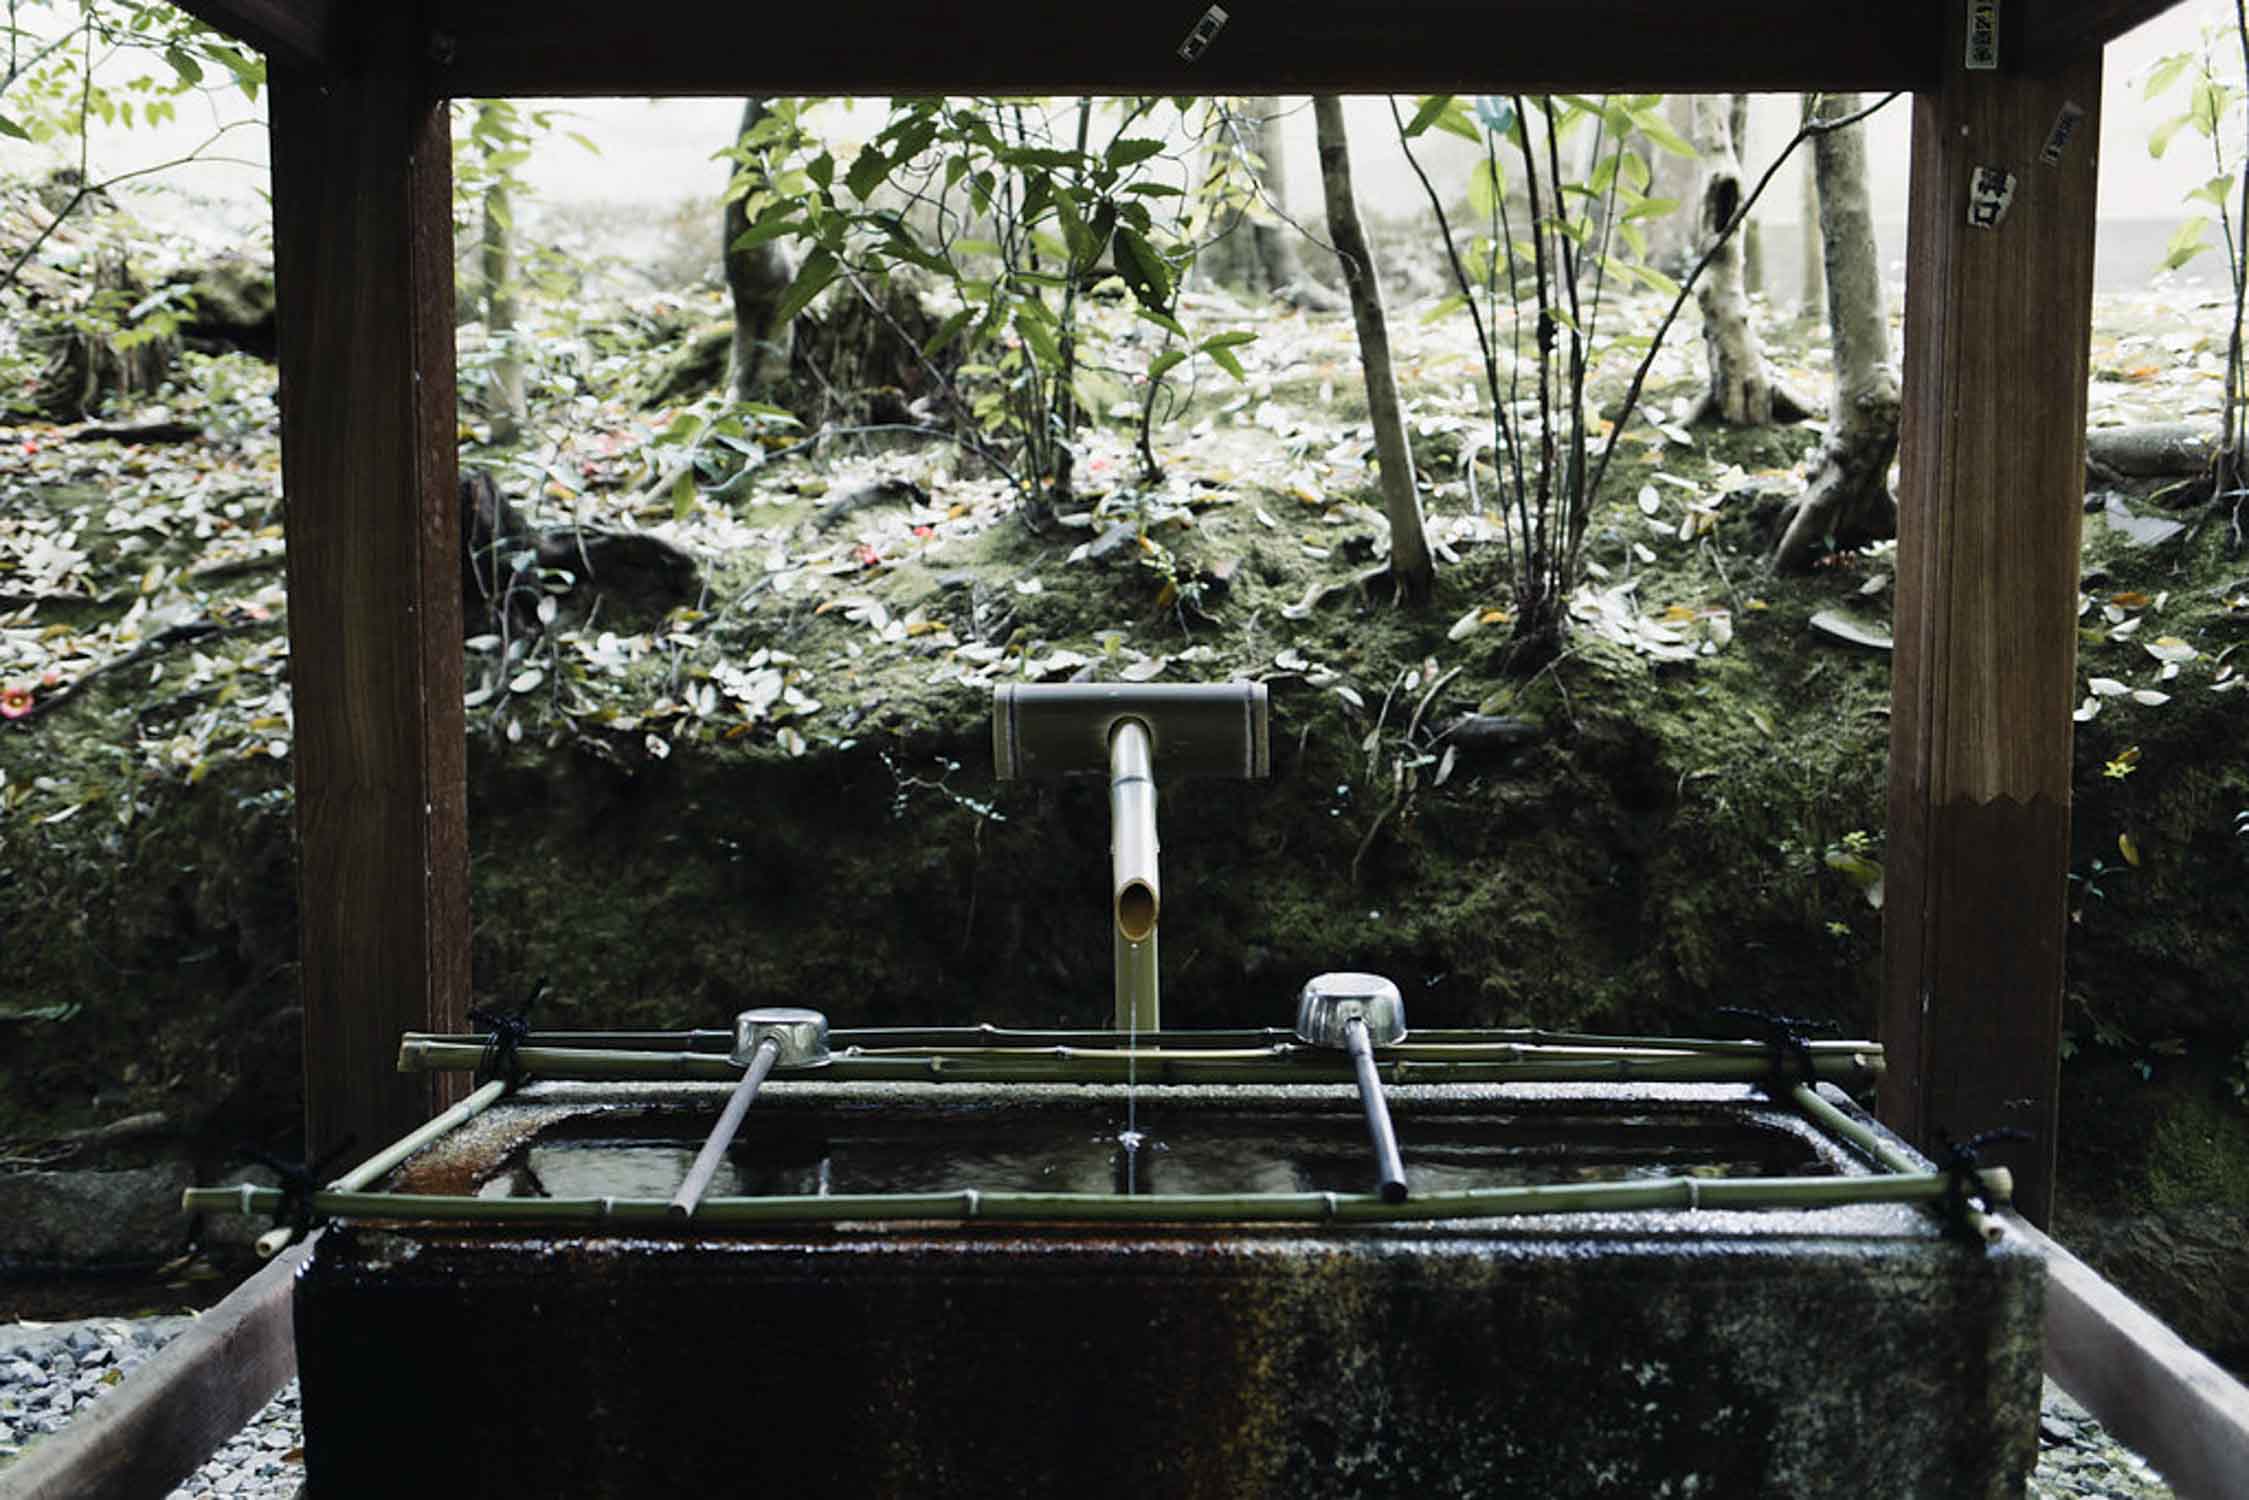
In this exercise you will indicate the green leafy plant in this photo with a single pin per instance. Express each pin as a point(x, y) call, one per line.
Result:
point(2214, 111)
point(1579, 240)
point(72, 64)
point(1857, 858)
point(1550, 275)
point(1019, 215)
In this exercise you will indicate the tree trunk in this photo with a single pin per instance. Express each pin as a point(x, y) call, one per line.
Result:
point(1740, 394)
point(1276, 241)
point(496, 269)
point(1410, 562)
point(1848, 503)
point(756, 278)
point(1752, 234)
point(1811, 279)
point(1254, 249)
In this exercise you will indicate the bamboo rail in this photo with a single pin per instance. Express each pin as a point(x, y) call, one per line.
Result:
point(971, 1204)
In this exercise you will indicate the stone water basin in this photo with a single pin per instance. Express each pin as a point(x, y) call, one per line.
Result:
point(1854, 1350)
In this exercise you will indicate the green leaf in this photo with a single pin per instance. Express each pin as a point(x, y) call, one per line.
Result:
point(2208, 108)
point(868, 169)
point(1484, 190)
point(1039, 337)
point(1445, 309)
point(1164, 363)
point(578, 138)
point(770, 227)
point(184, 64)
point(822, 170)
point(1656, 280)
point(1161, 319)
point(1082, 250)
point(1131, 150)
point(683, 496)
point(1232, 340)
point(12, 130)
point(947, 331)
point(1659, 133)
point(2186, 244)
point(2159, 139)
point(1142, 268)
point(2166, 72)
point(820, 268)
point(1432, 105)
point(2215, 192)
point(1454, 119)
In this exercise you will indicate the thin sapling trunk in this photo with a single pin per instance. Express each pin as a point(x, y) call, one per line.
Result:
point(1410, 562)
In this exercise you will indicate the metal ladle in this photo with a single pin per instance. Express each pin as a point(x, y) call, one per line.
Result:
point(1359, 1012)
point(784, 1036)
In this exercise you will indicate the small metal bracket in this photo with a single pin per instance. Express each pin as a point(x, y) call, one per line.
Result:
point(1203, 33)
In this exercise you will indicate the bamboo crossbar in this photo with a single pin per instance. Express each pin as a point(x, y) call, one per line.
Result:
point(1885, 1155)
point(1284, 1063)
point(1692, 1193)
point(885, 1039)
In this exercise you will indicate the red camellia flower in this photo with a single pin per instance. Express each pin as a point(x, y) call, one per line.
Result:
point(15, 701)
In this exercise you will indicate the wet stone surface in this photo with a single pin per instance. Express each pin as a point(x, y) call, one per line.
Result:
point(49, 1371)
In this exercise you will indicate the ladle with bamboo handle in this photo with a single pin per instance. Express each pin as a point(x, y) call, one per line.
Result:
point(1359, 1012)
point(772, 1036)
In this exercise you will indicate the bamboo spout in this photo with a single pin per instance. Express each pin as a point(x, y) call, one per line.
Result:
point(1136, 900)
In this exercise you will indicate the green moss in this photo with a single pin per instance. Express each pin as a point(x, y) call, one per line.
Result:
point(2200, 1157)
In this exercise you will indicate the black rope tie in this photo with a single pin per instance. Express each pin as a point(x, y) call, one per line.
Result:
point(503, 1047)
point(1790, 1038)
point(298, 1182)
point(1960, 1162)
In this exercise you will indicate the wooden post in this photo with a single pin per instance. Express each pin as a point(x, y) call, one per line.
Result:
point(1998, 316)
point(363, 262)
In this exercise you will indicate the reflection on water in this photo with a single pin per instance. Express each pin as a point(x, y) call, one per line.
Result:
point(1082, 1150)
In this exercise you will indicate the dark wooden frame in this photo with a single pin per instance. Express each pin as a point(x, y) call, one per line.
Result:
point(1992, 467)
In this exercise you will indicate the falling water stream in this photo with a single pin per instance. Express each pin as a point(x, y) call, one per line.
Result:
point(1131, 1138)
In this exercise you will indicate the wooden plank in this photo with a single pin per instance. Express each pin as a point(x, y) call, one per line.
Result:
point(364, 270)
point(294, 33)
point(2146, 1385)
point(531, 47)
point(2062, 29)
point(172, 1413)
point(1991, 479)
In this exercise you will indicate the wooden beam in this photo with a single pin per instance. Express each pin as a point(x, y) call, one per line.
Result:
point(291, 33)
point(2062, 29)
point(1991, 465)
point(157, 1428)
point(521, 47)
point(2145, 1384)
point(363, 264)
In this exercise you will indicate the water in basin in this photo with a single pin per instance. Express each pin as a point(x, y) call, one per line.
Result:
point(1078, 1151)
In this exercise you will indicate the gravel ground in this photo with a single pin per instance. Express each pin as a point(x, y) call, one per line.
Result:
point(49, 1370)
